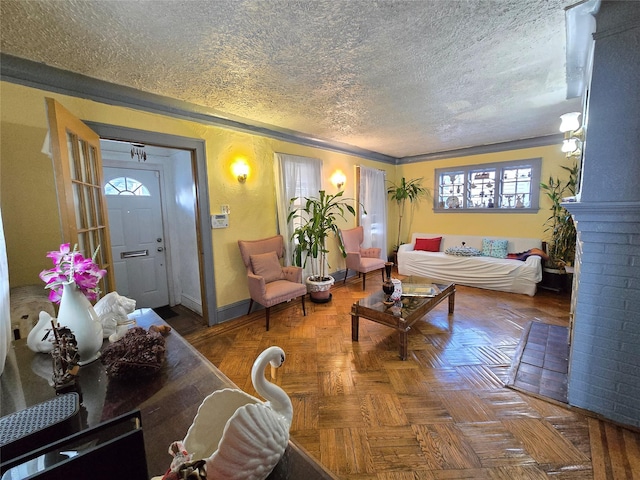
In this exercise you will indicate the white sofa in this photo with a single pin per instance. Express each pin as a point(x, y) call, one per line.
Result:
point(504, 274)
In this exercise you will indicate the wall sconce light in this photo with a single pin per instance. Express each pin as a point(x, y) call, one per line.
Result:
point(573, 134)
point(241, 170)
point(338, 179)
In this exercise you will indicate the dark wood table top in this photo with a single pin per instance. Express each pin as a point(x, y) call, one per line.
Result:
point(168, 401)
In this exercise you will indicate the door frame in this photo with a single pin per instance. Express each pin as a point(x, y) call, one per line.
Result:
point(199, 162)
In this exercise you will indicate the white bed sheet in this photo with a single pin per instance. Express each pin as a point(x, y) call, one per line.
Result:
point(505, 275)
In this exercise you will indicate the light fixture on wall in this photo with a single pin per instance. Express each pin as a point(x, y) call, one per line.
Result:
point(240, 170)
point(338, 178)
point(573, 134)
point(137, 150)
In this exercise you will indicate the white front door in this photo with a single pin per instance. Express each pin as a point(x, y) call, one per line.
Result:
point(137, 235)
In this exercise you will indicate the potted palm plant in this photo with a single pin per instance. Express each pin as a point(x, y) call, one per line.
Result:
point(411, 190)
point(316, 219)
point(561, 246)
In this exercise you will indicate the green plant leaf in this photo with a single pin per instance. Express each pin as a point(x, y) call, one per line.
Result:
point(411, 190)
point(319, 216)
point(563, 236)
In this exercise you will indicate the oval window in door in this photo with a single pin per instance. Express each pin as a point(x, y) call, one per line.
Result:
point(126, 186)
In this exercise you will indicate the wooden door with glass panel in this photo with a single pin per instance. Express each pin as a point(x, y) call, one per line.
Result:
point(78, 171)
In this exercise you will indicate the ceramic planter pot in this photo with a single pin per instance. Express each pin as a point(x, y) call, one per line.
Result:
point(557, 280)
point(320, 291)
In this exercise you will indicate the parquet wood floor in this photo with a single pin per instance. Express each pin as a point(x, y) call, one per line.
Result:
point(442, 414)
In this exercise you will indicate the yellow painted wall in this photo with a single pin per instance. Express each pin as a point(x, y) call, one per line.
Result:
point(27, 189)
point(29, 202)
point(29, 207)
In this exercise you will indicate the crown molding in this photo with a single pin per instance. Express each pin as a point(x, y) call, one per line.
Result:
point(44, 77)
point(555, 139)
point(39, 75)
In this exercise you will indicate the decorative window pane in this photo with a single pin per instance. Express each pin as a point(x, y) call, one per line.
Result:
point(500, 186)
point(482, 189)
point(451, 189)
point(126, 186)
point(516, 188)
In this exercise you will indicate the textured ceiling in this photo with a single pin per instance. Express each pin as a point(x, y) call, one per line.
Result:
point(402, 78)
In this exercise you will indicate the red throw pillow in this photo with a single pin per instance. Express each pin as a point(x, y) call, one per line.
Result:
point(428, 244)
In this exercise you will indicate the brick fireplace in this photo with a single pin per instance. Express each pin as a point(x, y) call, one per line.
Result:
point(604, 368)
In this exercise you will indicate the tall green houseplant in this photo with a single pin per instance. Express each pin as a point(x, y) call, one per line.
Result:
point(562, 230)
point(317, 219)
point(411, 190)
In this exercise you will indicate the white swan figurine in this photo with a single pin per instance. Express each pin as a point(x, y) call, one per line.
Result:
point(239, 436)
point(40, 338)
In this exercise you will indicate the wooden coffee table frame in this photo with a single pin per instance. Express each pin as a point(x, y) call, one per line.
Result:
point(398, 318)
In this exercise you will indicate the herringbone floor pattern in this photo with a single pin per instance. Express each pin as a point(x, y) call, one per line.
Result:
point(442, 414)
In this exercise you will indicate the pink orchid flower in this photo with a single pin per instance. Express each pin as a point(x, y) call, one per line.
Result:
point(71, 266)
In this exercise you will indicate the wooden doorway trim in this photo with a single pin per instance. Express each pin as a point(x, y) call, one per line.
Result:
point(203, 211)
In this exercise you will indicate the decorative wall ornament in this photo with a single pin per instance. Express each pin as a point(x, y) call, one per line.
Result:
point(137, 150)
point(113, 310)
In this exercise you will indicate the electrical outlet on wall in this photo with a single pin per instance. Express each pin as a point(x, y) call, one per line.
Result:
point(225, 209)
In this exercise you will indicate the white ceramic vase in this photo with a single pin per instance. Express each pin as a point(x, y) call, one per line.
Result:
point(77, 313)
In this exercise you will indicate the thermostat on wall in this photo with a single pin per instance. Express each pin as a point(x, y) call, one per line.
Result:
point(219, 220)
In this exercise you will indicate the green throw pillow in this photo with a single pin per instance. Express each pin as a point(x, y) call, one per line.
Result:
point(494, 248)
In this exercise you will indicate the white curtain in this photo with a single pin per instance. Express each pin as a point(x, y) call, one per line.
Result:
point(295, 177)
point(373, 195)
point(5, 318)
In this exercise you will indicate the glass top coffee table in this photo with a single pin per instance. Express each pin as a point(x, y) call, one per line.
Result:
point(402, 314)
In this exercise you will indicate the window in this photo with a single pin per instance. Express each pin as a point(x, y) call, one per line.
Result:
point(372, 195)
point(125, 186)
point(297, 177)
point(504, 187)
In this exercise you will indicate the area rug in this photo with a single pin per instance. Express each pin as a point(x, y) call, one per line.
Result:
point(165, 312)
point(541, 362)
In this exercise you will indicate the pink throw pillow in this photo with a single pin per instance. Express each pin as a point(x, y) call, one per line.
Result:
point(428, 244)
point(267, 265)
